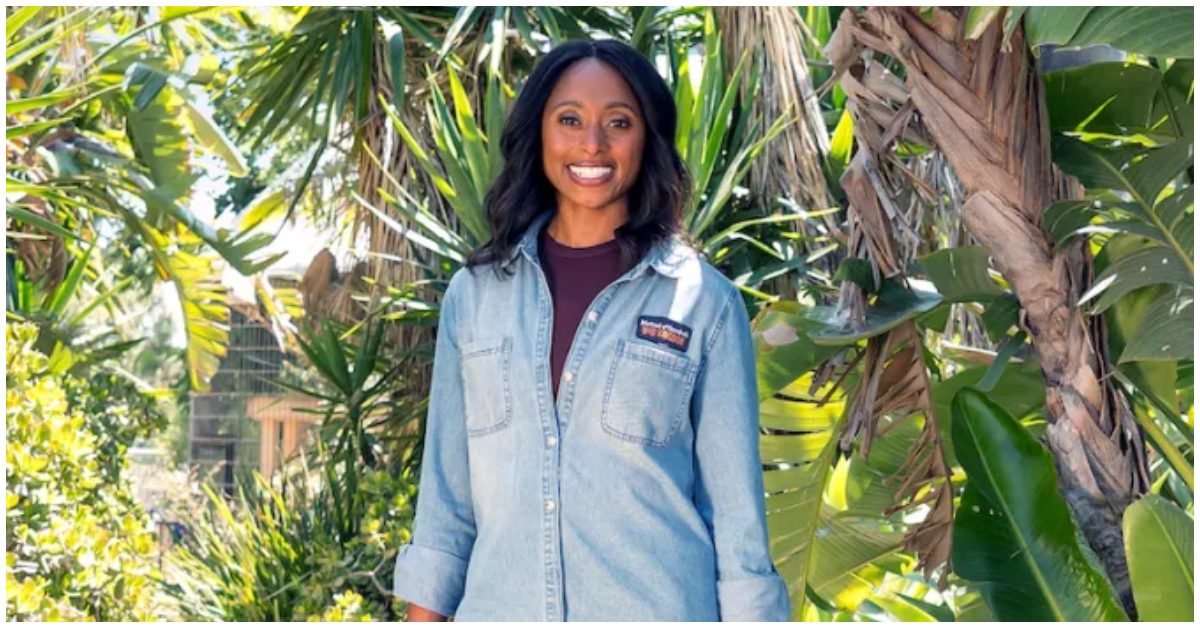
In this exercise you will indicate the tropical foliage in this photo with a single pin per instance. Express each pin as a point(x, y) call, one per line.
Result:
point(77, 544)
point(966, 235)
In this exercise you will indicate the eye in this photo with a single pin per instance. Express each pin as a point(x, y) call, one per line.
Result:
point(621, 123)
point(568, 120)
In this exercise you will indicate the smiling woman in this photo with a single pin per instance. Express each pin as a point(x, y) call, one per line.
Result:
point(592, 439)
point(595, 106)
point(593, 135)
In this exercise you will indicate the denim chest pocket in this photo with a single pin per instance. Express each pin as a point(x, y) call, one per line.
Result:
point(648, 394)
point(487, 387)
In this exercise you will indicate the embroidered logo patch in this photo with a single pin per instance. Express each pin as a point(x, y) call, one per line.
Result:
point(664, 331)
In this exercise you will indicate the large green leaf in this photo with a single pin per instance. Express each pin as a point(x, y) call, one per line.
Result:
point(1013, 534)
point(1154, 31)
point(1160, 545)
point(783, 348)
point(1114, 98)
point(1064, 219)
point(971, 607)
point(794, 492)
point(1175, 106)
point(241, 249)
point(202, 295)
point(961, 274)
point(1146, 176)
point(1167, 330)
point(867, 487)
point(207, 134)
point(848, 558)
point(1143, 174)
point(1000, 315)
point(1020, 389)
point(815, 548)
point(905, 609)
point(894, 305)
point(1146, 267)
point(1151, 383)
point(830, 556)
point(155, 126)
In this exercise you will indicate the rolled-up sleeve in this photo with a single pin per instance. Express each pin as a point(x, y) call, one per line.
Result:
point(729, 492)
point(431, 570)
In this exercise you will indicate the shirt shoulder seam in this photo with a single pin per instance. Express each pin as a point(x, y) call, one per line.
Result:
point(724, 317)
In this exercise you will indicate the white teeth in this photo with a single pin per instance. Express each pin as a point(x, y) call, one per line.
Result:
point(596, 172)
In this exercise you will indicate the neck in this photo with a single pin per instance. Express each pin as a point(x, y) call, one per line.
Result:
point(580, 227)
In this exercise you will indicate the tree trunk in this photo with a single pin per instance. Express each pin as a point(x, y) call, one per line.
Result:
point(982, 103)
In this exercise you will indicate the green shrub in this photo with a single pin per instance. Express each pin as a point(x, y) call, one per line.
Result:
point(276, 554)
point(346, 607)
point(78, 546)
point(334, 523)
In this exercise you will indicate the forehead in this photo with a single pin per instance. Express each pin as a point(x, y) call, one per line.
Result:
point(591, 82)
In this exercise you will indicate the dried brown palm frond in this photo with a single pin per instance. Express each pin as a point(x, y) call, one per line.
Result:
point(317, 283)
point(982, 104)
point(890, 213)
point(896, 386)
point(329, 294)
point(790, 165)
point(381, 148)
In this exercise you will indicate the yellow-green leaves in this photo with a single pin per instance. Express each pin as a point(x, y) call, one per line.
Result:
point(1013, 534)
point(1160, 544)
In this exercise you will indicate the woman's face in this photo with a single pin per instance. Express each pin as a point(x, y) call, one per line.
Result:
point(593, 134)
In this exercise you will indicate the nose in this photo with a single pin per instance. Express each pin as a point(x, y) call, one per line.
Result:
point(595, 140)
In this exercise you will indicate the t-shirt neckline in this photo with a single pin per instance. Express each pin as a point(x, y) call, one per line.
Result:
point(557, 249)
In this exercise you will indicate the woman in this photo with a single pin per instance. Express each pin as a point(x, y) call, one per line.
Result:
point(592, 440)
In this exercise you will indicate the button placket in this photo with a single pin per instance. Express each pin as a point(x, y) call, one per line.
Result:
point(550, 526)
point(552, 471)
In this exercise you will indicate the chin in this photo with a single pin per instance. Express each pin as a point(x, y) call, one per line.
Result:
point(597, 204)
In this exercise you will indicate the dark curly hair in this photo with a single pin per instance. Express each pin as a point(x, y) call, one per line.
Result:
point(521, 192)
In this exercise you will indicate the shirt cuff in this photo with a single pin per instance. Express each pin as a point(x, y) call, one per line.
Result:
point(430, 578)
point(762, 598)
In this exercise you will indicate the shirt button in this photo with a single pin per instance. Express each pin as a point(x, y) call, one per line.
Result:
point(568, 376)
point(593, 317)
point(549, 505)
point(551, 441)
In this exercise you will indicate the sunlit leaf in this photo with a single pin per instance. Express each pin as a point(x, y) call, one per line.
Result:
point(1013, 533)
point(1159, 541)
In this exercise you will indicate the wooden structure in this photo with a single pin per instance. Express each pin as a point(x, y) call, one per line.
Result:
point(285, 421)
point(247, 421)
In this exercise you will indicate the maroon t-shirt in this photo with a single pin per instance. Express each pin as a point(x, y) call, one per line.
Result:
point(575, 276)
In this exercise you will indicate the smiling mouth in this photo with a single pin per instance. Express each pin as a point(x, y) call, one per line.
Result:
point(590, 174)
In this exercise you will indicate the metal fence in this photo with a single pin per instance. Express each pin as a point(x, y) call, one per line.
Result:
point(226, 439)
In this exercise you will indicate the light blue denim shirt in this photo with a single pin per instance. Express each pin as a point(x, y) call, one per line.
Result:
point(638, 495)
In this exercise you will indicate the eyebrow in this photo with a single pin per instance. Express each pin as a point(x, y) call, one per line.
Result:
point(616, 104)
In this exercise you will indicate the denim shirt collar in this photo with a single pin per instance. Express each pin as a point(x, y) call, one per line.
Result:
point(666, 258)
